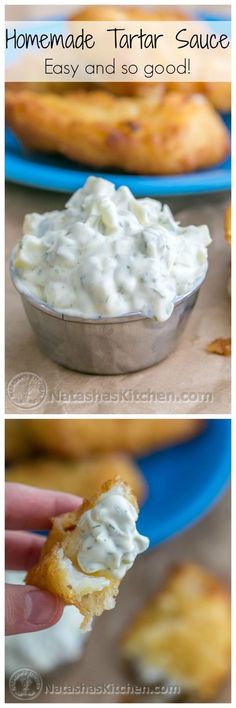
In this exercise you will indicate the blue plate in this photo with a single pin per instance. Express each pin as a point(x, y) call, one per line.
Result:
point(185, 481)
point(62, 175)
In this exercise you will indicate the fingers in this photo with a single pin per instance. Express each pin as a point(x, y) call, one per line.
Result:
point(22, 549)
point(29, 609)
point(30, 508)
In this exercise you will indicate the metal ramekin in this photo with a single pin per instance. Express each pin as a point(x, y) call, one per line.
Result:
point(114, 345)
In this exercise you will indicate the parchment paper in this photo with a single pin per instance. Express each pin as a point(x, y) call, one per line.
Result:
point(189, 381)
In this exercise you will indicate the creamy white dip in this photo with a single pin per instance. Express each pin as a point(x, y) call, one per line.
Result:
point(48, 648)
point(108, 254)
point(109, 539)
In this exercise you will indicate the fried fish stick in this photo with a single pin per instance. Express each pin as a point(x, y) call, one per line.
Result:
point(104, 13)
point(219, 93)
point(83, 478)
point(182, 636)
point(173, 134)
point(89, 551)
point(78, 438)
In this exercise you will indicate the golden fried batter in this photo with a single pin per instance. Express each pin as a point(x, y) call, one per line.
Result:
point(174, 134)
point(78, 438)
point(118, 12)
point(83, 478)
point(182, 636)
point(57, 568)
point(218, 93)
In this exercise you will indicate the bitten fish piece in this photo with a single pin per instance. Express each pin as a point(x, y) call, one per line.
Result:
point(89, 551)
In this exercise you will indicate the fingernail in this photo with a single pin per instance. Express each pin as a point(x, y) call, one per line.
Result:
point(40, 607)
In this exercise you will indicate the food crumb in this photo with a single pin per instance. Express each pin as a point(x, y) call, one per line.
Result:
point(220, 346)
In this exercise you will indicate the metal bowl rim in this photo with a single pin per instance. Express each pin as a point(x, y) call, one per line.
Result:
point(129, 317)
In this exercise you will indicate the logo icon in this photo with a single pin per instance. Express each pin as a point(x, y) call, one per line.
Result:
point(27, 390)
point(25, 684)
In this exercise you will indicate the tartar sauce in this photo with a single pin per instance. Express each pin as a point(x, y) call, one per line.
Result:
point(48, 648)
point(109, 538)
point(108, 254)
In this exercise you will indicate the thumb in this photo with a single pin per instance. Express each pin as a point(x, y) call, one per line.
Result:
point(28, 609)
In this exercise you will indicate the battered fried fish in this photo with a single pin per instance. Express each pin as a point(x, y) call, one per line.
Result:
point(83, 478)
point(89, 550)
point(174, 134)
point(118, 12)
point(182, 636)
point(218, 93)
point(78, 438)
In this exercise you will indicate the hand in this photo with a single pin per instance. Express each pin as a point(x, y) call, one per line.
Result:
point(29, 609)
